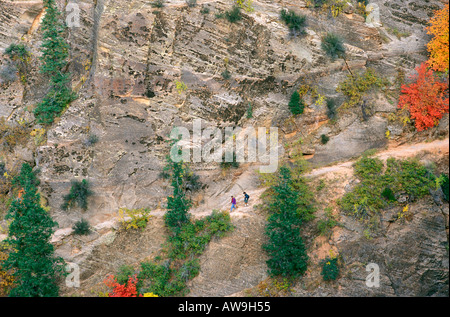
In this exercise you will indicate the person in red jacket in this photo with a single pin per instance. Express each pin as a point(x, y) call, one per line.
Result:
point(233, 203)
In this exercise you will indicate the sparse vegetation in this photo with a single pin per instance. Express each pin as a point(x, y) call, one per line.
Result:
point(158, 4)
point(226, 74)
point(356, 86)
point(19, 59)
point(331, 109)
point(12, 134)
point(326, 224)
point(296, 23)
point(82, 227)
point(403, 177)
point(204, 10)
point(168, 276)
point(8, 73)
point(234, 15)
point(91, 139)
point(333, 46)
point(78, 195)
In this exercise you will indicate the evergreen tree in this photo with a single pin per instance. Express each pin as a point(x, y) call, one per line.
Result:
point(178, 204)
point(32, 260)
point(55, 51)
point(296, 104)
point(285, 246)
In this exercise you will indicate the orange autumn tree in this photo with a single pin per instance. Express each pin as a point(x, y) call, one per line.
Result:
point(438, 47)
point(119, 290)
point(425, 98)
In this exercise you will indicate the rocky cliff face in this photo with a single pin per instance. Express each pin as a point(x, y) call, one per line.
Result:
point(125, 60)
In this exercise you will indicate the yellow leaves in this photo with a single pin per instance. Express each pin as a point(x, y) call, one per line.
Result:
point(150, 295)
point(39, 136)
point(6, 278)
point(388, 134)
point(180, 86)
point(320, 100)
point(134, 218)
point(438, 47)
point(246, 5)
point(404, 213)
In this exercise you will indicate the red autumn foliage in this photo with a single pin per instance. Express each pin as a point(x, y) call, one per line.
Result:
point(425, 98)
point(119, 290)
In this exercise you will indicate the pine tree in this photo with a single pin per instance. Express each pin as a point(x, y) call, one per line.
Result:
point(285, 247)
point(55, 49)
point(32, 260)
point(55, 52)
point(177, 204)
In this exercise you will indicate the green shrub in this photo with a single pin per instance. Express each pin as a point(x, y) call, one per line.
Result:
point(81, 227)
point(17, 51)
point(124, 273)
point(234, 15)
point(249, 113)
point(204, 10)
point(78, 195)
point(296, 23)
point(158, 4)
point(444, 183)
point(324, 139)
point(226, 74)
point(91, 140)
point(192, 182)
point(296, 104)
point(333, 46)
point(330, 269)
point(388, 194)
point(331, 108)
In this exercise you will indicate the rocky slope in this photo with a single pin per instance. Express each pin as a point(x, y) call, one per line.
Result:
point(125, 59)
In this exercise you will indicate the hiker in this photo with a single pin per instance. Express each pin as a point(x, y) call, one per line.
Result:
point(246, 197)
point(233, 203)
